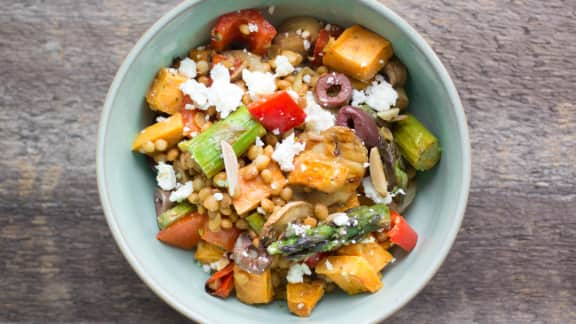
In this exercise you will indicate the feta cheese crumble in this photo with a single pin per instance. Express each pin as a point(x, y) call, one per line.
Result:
point(306, 44)
point(297, 229)
point(296, 273)
point(166, 177)
point(218, 196)
point(307, 78)
point(259, 83)
point(187, 68)
point(222, 94)
point(283, 66)
point(340, 219)
point(317, 118)
point(182, 192)
point(259, 142)
point(329, 265)
point(379, 95)
point(285, 152)
point(160, 119)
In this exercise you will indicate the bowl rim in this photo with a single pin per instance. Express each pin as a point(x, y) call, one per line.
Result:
point(395, 19)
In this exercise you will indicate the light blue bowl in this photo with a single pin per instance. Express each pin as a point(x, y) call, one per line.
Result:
point(126, 184)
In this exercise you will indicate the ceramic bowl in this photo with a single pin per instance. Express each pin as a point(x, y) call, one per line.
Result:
point(126, 183)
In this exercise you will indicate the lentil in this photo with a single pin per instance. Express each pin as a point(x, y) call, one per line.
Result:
point(204, 193)
point(241, 224)
point(194, 198)
point(254, 151)
point(267, 205)
point(202, 67)
point(251, 172)
point(310, 221)
point(226, 223)
point(172, 154)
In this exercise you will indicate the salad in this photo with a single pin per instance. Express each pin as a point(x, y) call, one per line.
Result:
point(284, 157)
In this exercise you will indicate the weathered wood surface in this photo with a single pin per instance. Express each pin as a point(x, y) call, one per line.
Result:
point(513, 61)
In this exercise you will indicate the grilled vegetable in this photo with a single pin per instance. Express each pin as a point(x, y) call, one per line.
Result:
point(252, 192)
point(373, 252)
point(183, 233)
point(249, 257)
point(173, 214)
point(351, 273)
point(247, 26)
point(252, 288)
point(402, 234)
point(238, 129)
point(303, 297)
point(164, 95)
point(278, 112)
point(170, 130)
point(256, 222)
point(224, 238)
point(330, 236)
point(358, 52)
point(221, 283)
point(417, 144)
point(207, 253)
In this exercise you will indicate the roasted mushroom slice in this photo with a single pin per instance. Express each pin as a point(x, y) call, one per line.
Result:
point(290, 213)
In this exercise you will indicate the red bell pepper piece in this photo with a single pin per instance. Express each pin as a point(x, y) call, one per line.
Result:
point(277, 111)
point(402, 234)
point(222, 282)
point(314, 259)
point(184, 232)
point(226, 31)
point(321, 41)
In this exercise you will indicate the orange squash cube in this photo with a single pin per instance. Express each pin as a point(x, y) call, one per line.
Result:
point(171, 130)
point(326, 176)
point(358, 52)
point(375, 254)
point(303, 297)
point(252, 288)
point(353, 274)
point(165, 95)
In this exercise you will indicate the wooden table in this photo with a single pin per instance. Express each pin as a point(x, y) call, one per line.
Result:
point(513, 61)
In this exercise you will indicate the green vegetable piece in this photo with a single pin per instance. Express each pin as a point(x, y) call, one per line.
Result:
point(238, 129)
point(256, 222)
point(330, 236)
point(417, 144)
point(173, 214)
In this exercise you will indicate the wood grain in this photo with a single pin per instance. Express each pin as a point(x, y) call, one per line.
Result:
point(513, 61)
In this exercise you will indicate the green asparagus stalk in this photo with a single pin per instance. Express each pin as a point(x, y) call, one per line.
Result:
point(173, 214)
point(330, 236)
point(417, 144)
point(238, 129)
point(256, 222)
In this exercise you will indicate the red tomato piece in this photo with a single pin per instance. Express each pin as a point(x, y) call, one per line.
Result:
point(402, 234)
point(323, 38)
point(278, 111)
point(184, 233)
point(314, 259)
point(227, 31)
point(188, 115)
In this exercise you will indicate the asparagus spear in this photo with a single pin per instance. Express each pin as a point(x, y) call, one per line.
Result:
point(256, 222)
point(173, 214)
point(329, 236)
point(417, 144)
point(238, 129)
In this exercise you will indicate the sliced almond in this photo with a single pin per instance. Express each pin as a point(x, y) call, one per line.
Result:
point(230, 166)
point(377, 174)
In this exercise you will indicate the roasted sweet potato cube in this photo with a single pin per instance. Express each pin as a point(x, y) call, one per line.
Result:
point(303, 297)
point(165, 95)
point(353, 274)
point(252, 288)
point(170, 130)
point(208, 253)
point(375, 254)
point(358, 52)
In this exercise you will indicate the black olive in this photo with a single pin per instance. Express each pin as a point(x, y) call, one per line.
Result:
point(363, 125)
